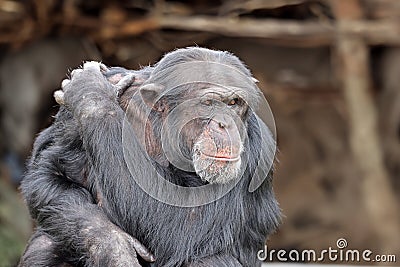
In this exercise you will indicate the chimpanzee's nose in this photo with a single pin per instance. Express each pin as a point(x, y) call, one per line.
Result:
point(217, 125)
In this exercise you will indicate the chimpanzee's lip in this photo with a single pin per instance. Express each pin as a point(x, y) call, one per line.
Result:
point(221, 157)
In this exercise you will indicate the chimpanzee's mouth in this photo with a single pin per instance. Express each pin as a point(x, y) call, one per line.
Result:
point(220, 157)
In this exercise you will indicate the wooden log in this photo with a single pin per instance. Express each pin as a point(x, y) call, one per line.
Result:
point(286, 32)
point(311, 33)
point(378, 196)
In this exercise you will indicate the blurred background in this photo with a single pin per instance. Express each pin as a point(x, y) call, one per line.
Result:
point(329, 69)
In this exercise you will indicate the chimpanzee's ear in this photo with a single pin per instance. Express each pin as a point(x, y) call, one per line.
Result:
point(150, 93)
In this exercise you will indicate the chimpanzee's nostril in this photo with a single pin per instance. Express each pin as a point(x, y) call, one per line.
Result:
point(217, 125)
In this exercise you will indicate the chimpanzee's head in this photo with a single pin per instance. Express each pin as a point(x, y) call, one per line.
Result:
point(200, 102)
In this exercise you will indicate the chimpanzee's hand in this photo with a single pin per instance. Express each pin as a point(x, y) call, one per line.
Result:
point(117, 249)
point(88, 92)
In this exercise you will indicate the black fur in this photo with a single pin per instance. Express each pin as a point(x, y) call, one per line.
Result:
point(79, 190)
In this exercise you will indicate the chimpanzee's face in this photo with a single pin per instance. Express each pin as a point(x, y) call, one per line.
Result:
point(202, 128)
point(209, 126)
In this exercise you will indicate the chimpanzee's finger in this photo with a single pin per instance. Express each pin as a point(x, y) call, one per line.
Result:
point(64, 83)
point(59, 97)
point(94, 65)
point(124, 84)
point(59, 94)
point(75, 72)
point(103, 68)
point(142, 251)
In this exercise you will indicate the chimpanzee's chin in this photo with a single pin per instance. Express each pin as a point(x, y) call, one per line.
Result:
point(216, 171)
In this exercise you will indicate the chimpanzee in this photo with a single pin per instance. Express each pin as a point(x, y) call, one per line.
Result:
point(166, 166)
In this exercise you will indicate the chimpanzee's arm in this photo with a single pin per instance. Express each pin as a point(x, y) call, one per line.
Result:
point(93, 101)
point(54, 188)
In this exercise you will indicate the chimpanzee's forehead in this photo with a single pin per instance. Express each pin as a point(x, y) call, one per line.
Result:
point(207, 76)
point(202, 71)
point(219, 92)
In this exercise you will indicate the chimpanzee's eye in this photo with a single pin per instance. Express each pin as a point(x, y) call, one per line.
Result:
point(233, 102)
